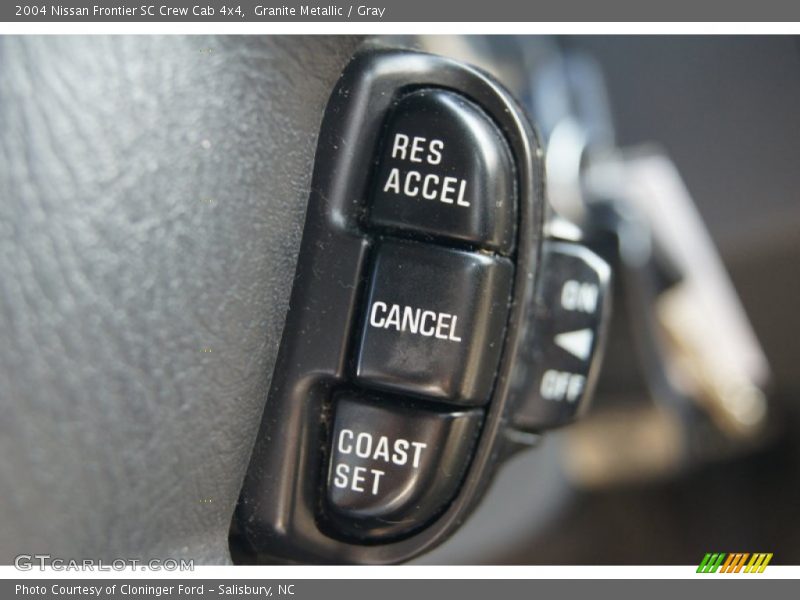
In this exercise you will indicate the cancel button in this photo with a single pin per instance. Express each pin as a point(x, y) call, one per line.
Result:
point(394, 466)
point(434, 322)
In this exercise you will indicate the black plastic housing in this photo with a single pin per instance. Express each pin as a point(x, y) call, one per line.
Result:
point(281, 512)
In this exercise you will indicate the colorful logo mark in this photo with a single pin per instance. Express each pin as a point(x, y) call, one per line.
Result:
point(734, 563)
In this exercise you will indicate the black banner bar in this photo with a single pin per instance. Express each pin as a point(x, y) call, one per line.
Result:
point(461, 11)
point(731, 588)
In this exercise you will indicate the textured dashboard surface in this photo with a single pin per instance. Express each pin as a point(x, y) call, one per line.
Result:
point(152, 195)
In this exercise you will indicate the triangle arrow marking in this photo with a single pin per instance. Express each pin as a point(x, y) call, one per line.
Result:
point(578, 343)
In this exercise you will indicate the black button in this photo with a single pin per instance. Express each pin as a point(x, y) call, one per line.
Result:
point(434, 322)
point(560, 350)
point(394, 467)
point(445, 171)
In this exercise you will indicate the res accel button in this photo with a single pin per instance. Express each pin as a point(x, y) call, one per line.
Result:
point(394, 467)
point(434, 322)
point(445, 171)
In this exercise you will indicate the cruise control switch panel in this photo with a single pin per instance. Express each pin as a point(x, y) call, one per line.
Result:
point(428, 315)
